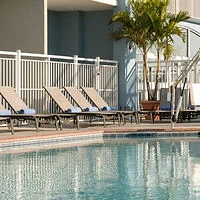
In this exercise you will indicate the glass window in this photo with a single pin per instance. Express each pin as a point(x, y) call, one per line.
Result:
point(194, 43)
point(180, 46)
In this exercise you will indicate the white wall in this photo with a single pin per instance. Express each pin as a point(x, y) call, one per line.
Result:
point(192, 6)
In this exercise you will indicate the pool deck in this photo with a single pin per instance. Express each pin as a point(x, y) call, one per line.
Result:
point(25, 133)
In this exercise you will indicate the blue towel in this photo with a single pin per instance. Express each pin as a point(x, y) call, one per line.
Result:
point(192, 107)
point(166, 107)
point(28, 111)
point(91, 109)
point(5, 112)
point(73, 110)
point(108, 108)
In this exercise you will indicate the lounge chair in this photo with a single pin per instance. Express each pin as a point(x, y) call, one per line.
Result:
point(79, 99)
point(193, 100)
point(66, 106)
point(5, 117)
point(99, 102)
point(165, 105)
point(165, 108)
point(84, 104)
point(21, 110)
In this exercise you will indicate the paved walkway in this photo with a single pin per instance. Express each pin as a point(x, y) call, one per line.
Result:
point(29, 133)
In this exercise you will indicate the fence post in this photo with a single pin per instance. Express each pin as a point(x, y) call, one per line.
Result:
point(48, 71)
point(97, 63)
point(137, 88)
point(75, 71)
point(117, 89)
point(144, 85)
point(172, 105)
point(18, 73)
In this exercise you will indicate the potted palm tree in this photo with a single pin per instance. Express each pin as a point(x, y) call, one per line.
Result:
point(149, 24)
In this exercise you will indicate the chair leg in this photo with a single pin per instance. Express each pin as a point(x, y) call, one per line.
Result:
point(104, 121)
point(77, 122)
point(120, 118)
point(137, 117)
point(37, 123)
point(60, 122)
point(61, 125)
point(152, 117)
point(56, 122)
point(10, 125)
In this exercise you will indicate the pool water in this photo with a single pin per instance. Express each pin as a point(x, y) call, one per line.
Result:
point(116, 169)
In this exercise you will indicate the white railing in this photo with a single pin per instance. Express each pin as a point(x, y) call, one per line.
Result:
point(169, 72)
point(28, 73)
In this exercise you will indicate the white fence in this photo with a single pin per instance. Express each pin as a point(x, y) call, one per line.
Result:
point(28, 73)
point(169, 72)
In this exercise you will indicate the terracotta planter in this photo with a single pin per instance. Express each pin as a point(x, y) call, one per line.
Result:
point(148, 105)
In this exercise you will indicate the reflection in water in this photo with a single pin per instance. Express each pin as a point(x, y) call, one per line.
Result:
point(117, 169)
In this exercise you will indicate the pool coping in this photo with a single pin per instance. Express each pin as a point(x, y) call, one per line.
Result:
point(85, 137)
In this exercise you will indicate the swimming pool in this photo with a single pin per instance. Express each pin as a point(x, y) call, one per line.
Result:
point(112, 169)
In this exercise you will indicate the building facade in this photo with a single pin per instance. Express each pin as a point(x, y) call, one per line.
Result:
point(81, 28)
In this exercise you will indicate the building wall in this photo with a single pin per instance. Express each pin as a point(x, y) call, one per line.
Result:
point(63, 33)
point(196, 6)
point(127, 72)
point(22, 25)
point(192, 6)
point(52, 33)
point(85, 34)
point(97, 33)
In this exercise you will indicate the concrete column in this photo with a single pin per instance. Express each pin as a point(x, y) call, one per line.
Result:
point(127, 72)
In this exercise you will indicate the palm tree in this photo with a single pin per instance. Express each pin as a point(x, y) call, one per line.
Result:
point(164, 25)
point(148, 23)
point(135, 25)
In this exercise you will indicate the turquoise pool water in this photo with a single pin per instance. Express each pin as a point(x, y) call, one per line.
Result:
point(116, 169)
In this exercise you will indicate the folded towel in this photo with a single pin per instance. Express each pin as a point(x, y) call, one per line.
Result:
point(5, 112)
point(108, 108)
point(166, 107)
point(192, 107)
point(28, 111)
point(91, 109)
point(73, 110)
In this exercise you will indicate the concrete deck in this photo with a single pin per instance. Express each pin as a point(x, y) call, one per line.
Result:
point(25, 133)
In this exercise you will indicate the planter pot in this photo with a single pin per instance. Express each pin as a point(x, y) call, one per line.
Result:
point(148, 105)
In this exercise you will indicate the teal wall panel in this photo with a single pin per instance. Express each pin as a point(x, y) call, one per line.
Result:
point(83, 33)
point(97, 42)
point(63, 33)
